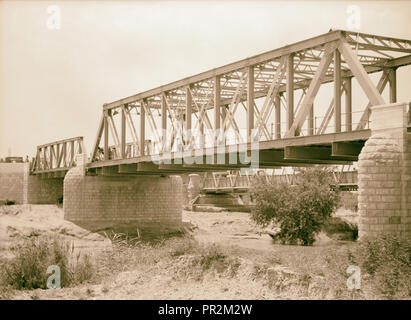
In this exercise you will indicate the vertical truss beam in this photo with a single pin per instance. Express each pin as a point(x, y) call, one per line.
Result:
point(217, 107)
point(163, 121)
point(277, 118)
point(348, 103)
point(290, 91)
point(250, 102)
point(310, 120)
point(392, 78)
point(106, 150)
point(132, 128)
point(142, 128)
point(96, 140)
point(123, 134)
point(337, 91)
point(189, 109)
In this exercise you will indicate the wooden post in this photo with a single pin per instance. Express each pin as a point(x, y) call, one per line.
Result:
point(337, 90)
point(290, 91)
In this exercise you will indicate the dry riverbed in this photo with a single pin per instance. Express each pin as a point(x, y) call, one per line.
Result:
point(225, 257)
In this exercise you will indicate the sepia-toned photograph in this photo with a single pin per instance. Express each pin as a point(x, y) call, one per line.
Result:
point(227, 153)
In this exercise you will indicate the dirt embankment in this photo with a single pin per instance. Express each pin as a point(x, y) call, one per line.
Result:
point(18, 222)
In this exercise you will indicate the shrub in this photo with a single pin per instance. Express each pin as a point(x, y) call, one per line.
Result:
point(300, 210)
point(209, 257)
point(9, 202)
point(337, 228)
point(387, 259)
point(28, 269)
point(385, 264)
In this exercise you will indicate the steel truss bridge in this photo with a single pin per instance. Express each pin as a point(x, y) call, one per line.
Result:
point(274, 96)
point(235, 181)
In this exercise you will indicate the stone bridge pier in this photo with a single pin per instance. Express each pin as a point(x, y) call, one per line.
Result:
point(145, 205)
point(384, 173)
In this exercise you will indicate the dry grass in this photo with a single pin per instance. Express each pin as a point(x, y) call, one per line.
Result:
point(287, 272)
point(27, 270)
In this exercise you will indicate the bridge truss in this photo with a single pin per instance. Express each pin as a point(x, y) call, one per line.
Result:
point(271, 96)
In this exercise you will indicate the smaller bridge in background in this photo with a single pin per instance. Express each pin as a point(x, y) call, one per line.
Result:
point(54, 159)
point(235, 181)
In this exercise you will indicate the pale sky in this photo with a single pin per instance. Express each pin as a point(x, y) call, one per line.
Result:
point(53, 83)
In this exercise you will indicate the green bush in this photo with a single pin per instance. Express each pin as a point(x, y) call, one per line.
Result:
point(300, 210)
point(28, 269)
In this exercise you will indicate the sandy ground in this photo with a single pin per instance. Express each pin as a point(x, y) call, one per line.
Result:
point(236, 228)
point(25, 221)
point(159, 280)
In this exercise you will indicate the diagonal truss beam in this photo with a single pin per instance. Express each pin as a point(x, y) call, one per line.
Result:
point(360, 74)
point(380, 87)
point(313, 89)
point(272, 93)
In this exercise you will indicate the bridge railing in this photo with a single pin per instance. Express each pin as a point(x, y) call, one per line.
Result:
point(57, 156)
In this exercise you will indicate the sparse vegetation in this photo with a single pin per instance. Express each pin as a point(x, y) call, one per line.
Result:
point(339, 229)
point(182, 267)
point(28, 269)
point(60, 202)
point(299, 210)
point(7, 202)
point(385, 264)
point(387, 259)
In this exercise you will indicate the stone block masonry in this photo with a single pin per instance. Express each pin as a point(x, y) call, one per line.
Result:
point(16, 184)
point(151, 204)
point(12, 182)
point(384, 174)
point(44, 190)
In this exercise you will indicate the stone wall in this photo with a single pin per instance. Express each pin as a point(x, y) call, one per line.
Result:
point(384, 175)
point(12, 181)
point(151, 204)
point(16, 184)
point(44, 190)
